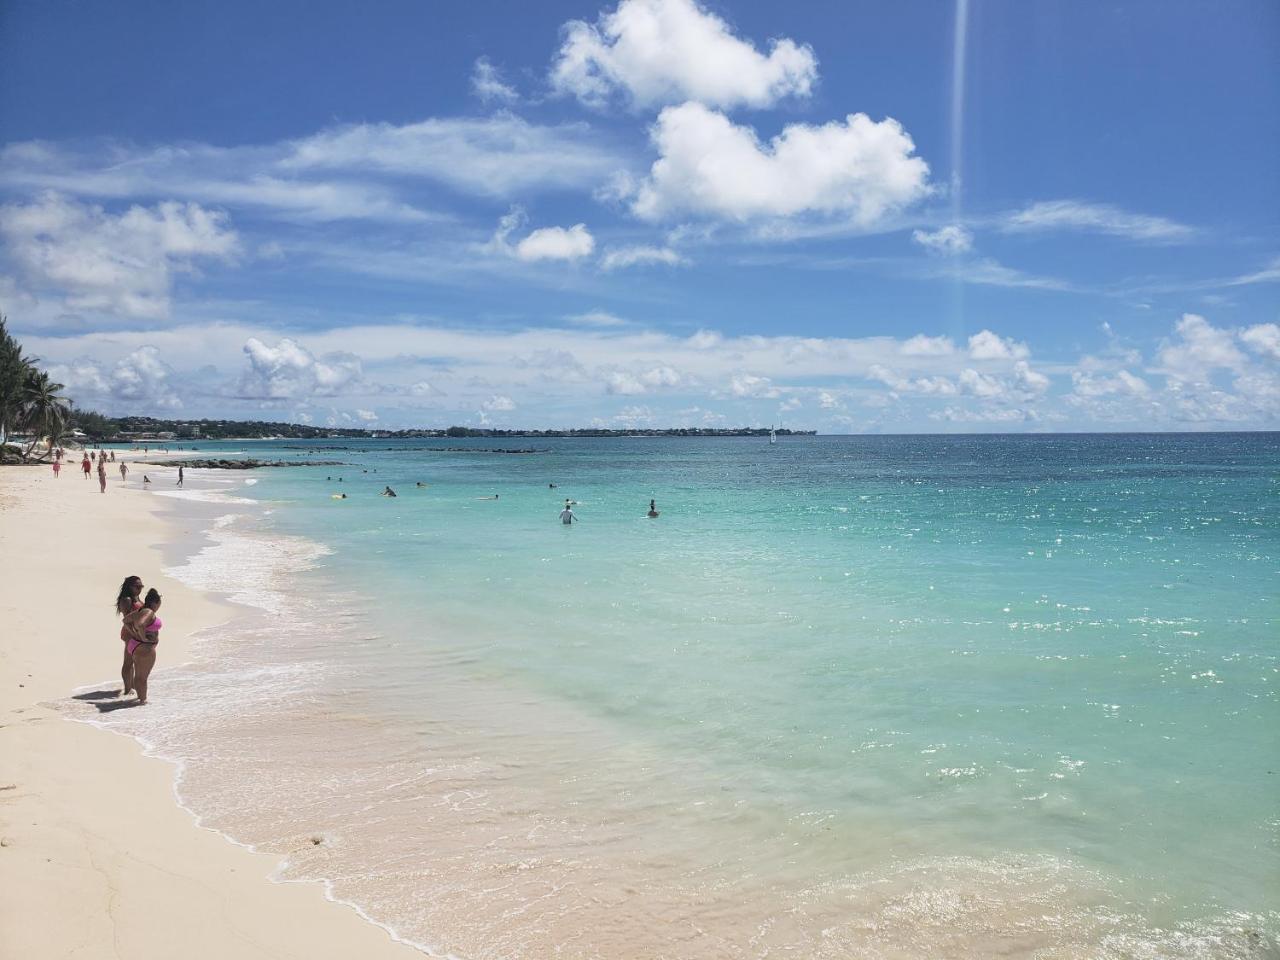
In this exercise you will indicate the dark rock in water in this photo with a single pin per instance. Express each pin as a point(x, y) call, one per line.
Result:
point(224, 464)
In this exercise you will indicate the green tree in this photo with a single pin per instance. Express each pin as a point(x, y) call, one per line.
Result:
point(43, 410)
point(13, 378)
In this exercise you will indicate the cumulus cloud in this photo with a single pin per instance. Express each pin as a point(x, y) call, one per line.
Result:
point(666, 51)
point(1198, 350)
point(708, 166)
point(1027, 381)
point(1263, 339)
point(629, 383)
point(120, 263)
point(545, 243)
point(289, 371)
point(139, 381)
point(950, 240)
point(636, 256)
point(487, 83)
point(556, 243)
point(925, 346)
point(980, 384)
point(986, 345)
point(922, 386)
point(750, 385)
point(1124, 383)
point(498, 404)
point(1097, 218)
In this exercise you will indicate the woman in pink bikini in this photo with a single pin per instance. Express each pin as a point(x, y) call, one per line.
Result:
point(144, 636)
point(127, 602)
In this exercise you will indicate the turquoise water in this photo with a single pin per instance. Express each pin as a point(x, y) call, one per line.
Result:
point(1000, 678)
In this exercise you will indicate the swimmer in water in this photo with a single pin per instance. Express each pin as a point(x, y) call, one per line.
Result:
point(420, 484)
point(494, 497)
point(566, 515)
point(653, 510)
point(387, 492)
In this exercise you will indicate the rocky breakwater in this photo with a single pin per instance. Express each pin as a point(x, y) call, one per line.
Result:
point(210, 463)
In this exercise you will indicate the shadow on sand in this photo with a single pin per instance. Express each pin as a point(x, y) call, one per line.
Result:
point(97, 696)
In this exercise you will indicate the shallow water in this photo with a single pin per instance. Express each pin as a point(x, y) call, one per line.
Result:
point(846, 697)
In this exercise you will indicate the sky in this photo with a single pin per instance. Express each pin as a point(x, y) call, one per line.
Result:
point(925, 216)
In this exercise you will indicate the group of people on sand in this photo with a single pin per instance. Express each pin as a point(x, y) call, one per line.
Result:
point(140, 633)
point(102, 457)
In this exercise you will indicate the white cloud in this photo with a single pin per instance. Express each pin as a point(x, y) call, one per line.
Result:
point(1124, 383)
point(829, 401)
point(980, 384)
point(120, 263)
point(922, 386)
point(1027, 381)
point(992, 273)
point(368, 416)
point(546, 243)
point(620, 257)
point(632, 384)
point(556, 243)
point(950, 240)
point(708, 166)
point(596, 318)
point(1263, 339)
point(923, 346)
point(290, 371)
point(498, 403)
point(988, 414)
point(487, 83)
point(668, 51)
point(750, 385)
point(986, 345)
point(1268, 274)
point(1200, 348)
point(490, 156)
point(1097, 218)
point(139, 381)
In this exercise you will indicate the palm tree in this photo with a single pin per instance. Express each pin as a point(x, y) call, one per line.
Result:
point(13, 377)
point(44, 411)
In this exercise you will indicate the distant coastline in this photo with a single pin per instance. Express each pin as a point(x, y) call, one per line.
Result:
point(151, 430)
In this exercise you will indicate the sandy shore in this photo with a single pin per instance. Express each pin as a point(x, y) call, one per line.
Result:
point(97, 859)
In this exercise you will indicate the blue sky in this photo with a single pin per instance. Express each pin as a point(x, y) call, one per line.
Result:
point(921, 216)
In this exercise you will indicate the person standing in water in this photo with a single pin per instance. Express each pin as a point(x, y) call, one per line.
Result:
point(566, 515)
point(127, 602)
point(653, 510)
point(144, 627)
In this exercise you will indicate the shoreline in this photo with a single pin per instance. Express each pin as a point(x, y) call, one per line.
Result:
point(99, 855)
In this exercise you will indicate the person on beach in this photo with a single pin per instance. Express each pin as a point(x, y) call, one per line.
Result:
point(144, 628)
point(145, 478)
point(57, 468)
point(113, 456)
point(180, 475)
point(124, 471)
point(102, 474)
point(127, 602)
point(86, 466)
point(566, 515)
point(653, 510)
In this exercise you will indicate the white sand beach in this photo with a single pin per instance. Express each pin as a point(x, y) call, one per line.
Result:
point(97, 860)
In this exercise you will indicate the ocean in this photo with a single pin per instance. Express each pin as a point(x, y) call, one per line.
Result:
point(846, 697)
